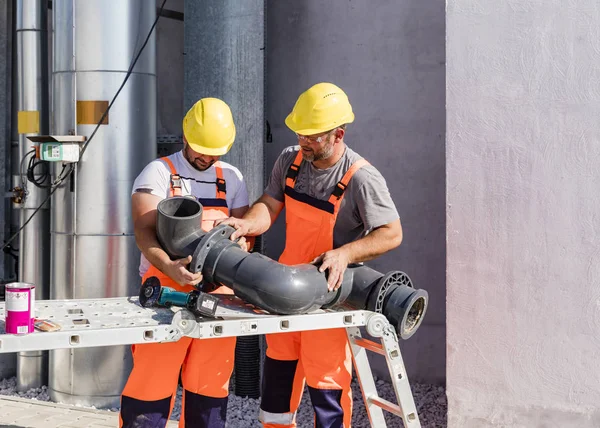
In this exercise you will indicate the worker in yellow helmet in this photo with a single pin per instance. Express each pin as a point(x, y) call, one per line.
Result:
point(338, 211)
point(205, 365)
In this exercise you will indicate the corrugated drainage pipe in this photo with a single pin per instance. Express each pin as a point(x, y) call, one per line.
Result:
point(278, 288)
point(247, 366)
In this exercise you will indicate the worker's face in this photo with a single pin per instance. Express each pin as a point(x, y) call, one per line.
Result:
point(199, 161)
point(318, 146)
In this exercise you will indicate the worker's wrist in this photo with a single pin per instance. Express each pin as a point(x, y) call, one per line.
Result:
point(158, 258)
point(346, 252)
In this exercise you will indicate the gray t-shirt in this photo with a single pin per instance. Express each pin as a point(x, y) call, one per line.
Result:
point(367, 203)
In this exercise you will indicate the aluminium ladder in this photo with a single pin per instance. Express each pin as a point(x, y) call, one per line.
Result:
point(94, 322)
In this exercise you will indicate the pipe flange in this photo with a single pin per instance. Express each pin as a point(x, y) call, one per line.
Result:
point(215, 235)
point(376, 325)
point(386, 285)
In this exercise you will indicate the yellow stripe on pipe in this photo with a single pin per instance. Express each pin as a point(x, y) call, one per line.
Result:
point(28, 122)
point(90, 112)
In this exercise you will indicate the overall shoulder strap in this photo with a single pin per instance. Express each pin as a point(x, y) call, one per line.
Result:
point(175, 178)
point(338, 192)
point(292, 172)
point(221, 185)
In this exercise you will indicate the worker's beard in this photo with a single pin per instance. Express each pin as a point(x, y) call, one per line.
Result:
point(197, 163)
point(325, 153)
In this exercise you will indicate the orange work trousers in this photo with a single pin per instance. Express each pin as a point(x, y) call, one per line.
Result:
point(324, 359)
point(205, 366)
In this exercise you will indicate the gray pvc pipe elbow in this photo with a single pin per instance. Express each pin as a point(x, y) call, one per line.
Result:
point(178, 226)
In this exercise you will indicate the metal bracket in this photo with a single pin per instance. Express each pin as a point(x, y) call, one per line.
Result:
point(17, 195)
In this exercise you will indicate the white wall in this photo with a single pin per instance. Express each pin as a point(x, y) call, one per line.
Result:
point(523, 213)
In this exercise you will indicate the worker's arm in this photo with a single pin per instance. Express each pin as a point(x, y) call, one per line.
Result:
point(247, 243)
point(143, 209)
point(257, 220)
point(381, 240)
point(239, 212)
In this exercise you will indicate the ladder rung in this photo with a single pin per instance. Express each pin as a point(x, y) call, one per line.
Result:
point(386, 405)
point(369, 345)
point(393, 408)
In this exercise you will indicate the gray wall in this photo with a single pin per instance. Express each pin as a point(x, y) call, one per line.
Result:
point(389, 58)
point(169, 70)
point(523, 167)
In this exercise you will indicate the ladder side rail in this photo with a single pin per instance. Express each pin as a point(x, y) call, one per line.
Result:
point(398, 376)
point(365, 379)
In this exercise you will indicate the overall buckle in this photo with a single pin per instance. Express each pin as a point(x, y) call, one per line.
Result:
point(221, 185)
point(339, 190)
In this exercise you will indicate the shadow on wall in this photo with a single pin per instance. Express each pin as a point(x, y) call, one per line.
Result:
point(392, 66)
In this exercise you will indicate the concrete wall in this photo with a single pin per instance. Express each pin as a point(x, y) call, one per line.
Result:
point(523, 167)
point(169, 69)
point(224, 58)
point(389, 58)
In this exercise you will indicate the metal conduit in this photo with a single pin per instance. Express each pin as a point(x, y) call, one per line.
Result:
point(32, 119)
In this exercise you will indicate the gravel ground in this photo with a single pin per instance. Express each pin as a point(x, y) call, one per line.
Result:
point(242, 412)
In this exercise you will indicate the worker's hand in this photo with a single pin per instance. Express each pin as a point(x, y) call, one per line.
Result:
point(335, 261)
point(241, 226)
point(178, 272)
point(243, 243)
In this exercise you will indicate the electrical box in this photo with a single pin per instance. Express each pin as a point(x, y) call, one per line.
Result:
point(58, 148)
point(59, 152)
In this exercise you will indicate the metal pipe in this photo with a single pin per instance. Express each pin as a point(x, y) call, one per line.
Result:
point(8, 157)
point(32, 86)
point(279, 288)
point(95, 42)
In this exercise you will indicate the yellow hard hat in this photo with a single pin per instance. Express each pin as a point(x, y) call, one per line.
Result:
point(321, 108)
point(208, 127)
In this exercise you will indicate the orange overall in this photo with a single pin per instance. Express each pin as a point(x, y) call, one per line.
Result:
point(323, 357)
point(205, 365)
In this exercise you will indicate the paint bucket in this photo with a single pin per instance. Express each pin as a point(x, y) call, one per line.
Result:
point(19, 307)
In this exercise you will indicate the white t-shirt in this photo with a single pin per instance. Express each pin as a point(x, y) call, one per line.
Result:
point(155, 179)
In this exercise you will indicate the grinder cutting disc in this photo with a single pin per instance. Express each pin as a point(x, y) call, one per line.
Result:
point(150, 292)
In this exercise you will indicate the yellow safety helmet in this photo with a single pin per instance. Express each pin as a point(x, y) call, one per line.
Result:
point(208, 127)
point(321, 108)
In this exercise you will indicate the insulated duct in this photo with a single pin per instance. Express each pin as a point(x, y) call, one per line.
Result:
point(278, 288)
point(95, 42)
